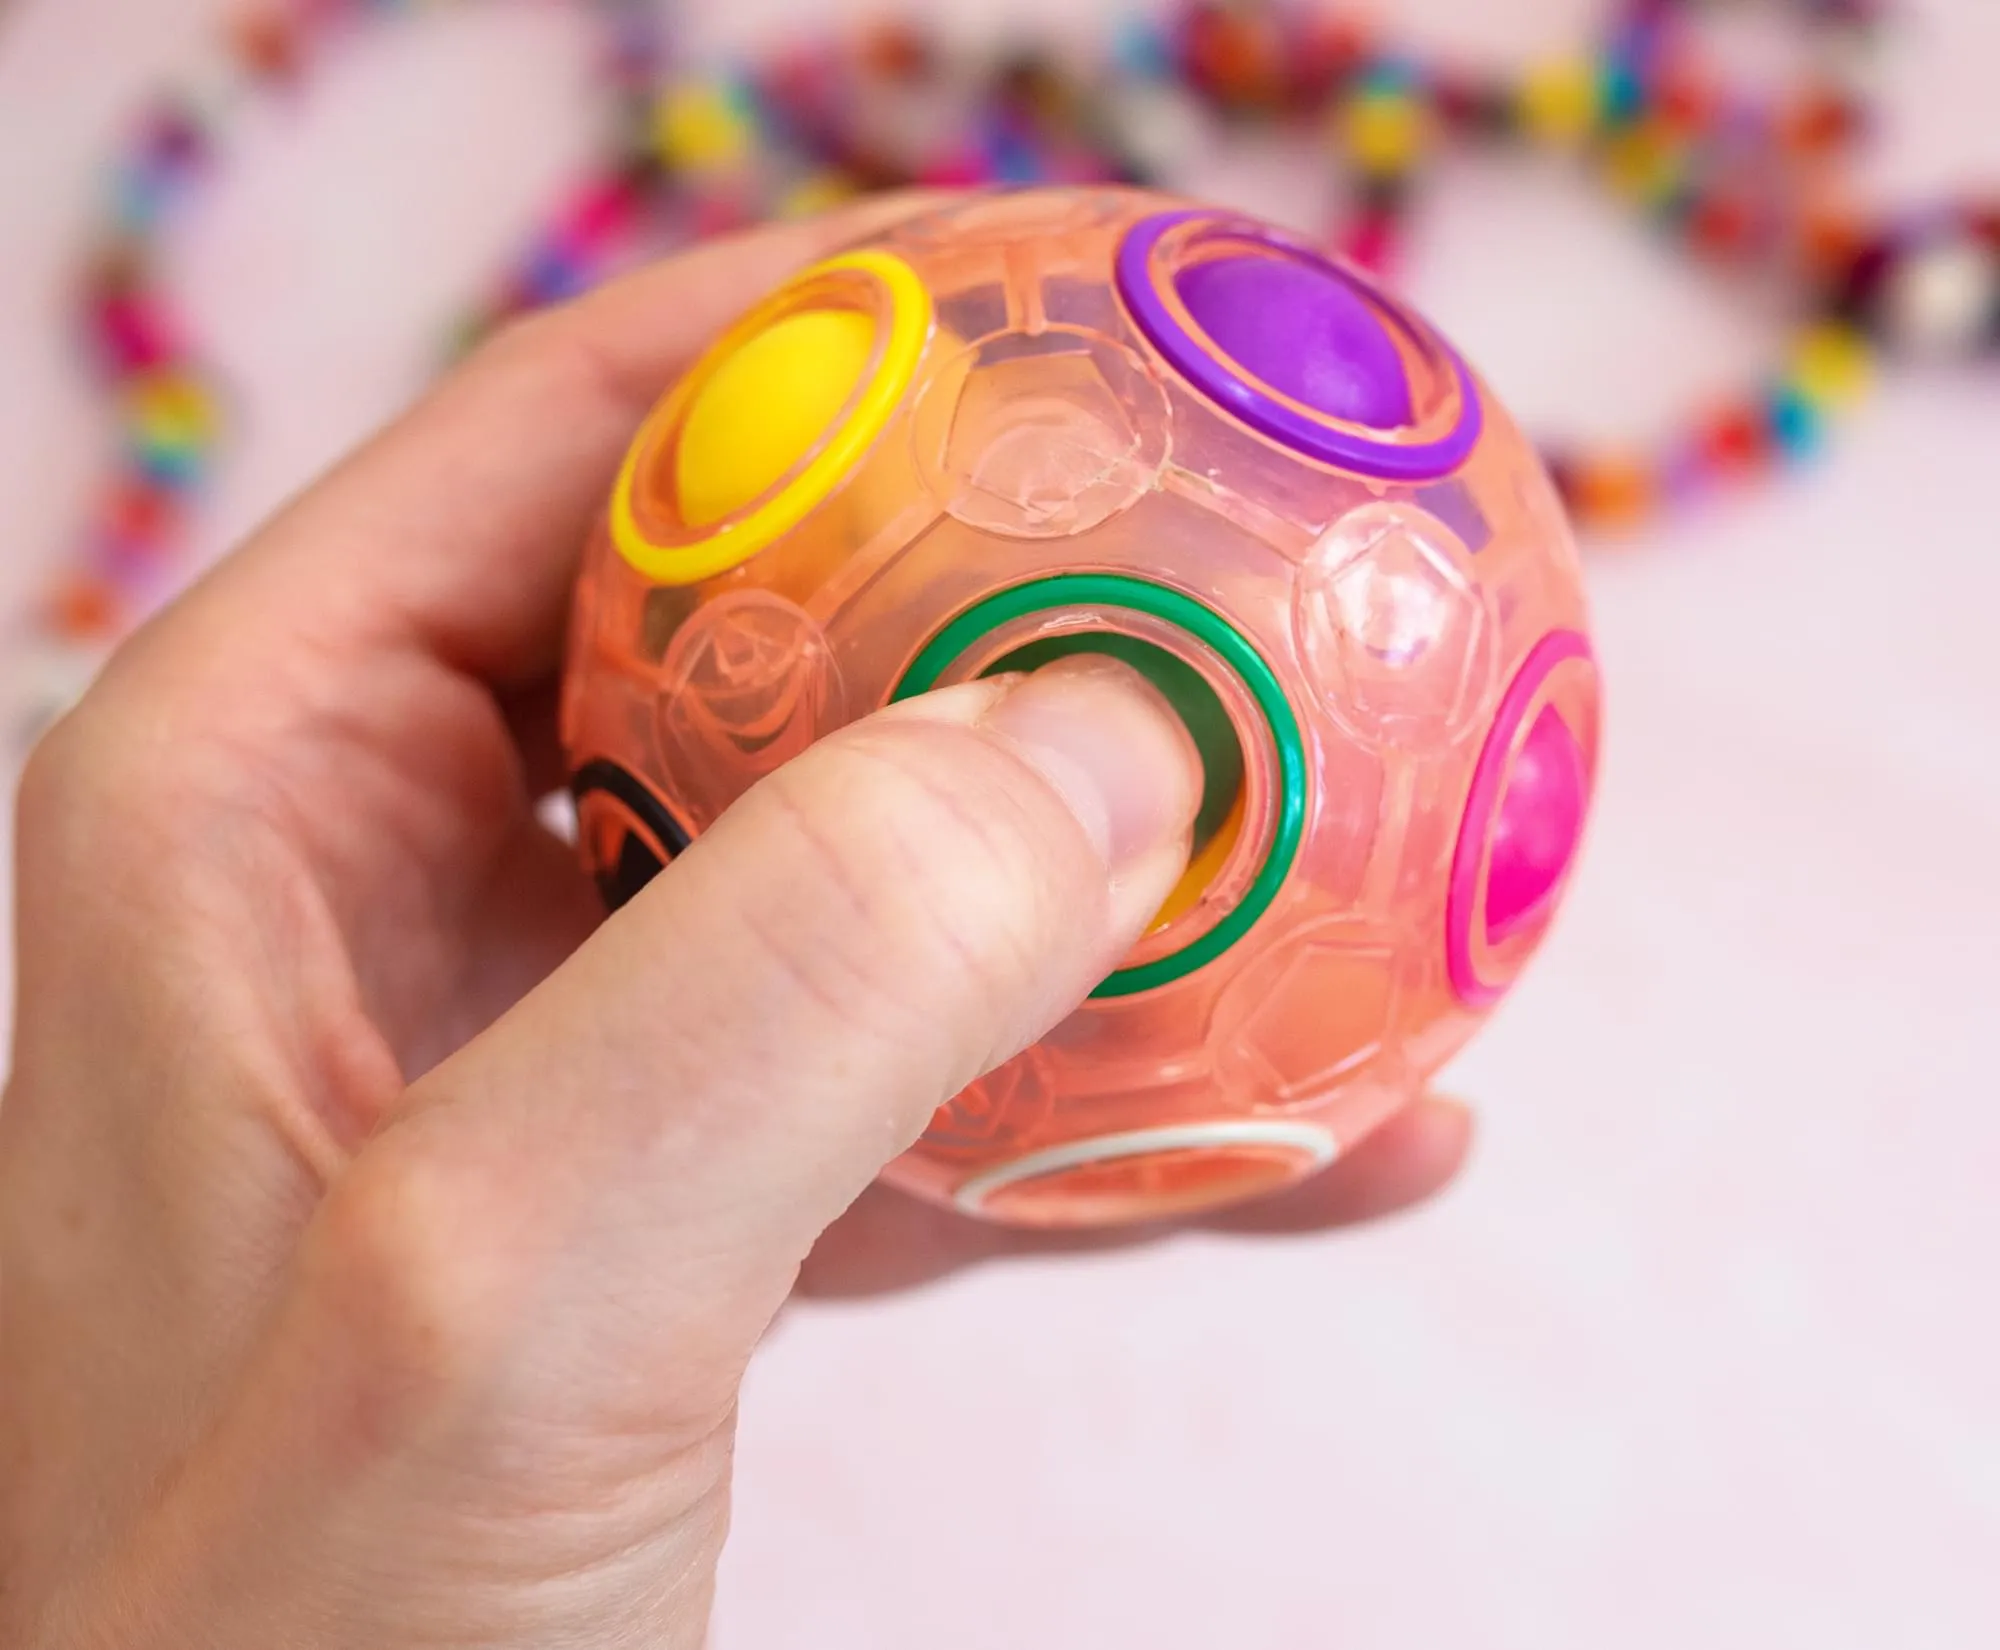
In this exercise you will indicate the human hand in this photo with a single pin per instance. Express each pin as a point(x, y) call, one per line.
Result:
point(382, 1236)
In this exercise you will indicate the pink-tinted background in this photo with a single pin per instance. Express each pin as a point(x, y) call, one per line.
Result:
point(1704, 1350)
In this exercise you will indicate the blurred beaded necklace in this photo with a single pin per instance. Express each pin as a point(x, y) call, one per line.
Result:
point(1752, 183)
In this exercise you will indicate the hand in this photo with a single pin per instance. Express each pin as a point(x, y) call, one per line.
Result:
point(383, 1237)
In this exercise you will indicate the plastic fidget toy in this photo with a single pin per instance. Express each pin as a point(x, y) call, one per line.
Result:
point(1036, 423)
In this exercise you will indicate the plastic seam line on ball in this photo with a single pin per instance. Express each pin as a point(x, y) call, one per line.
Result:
point(1179, 337)
point(825, 465)
point(1123, 591)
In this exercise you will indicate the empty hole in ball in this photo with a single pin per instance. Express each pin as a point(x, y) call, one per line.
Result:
point(1151, 1186)
point(1218, 825)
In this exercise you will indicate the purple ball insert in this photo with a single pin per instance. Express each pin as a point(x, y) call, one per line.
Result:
point(1275, 316)
point(1303, 331)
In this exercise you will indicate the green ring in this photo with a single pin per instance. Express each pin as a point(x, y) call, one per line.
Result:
point(1206, 626)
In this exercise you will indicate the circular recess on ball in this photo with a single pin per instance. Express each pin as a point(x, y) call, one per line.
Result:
point(1524, 817)
point(1107, 594)
point(1538, 828)
point(1148, 1174)
point(765, 407)
point(1299, 347)
point(1304, 330)
point(627, 834)
point(772, 419)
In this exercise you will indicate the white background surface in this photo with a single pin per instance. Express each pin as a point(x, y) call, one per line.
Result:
point(1704, 1350)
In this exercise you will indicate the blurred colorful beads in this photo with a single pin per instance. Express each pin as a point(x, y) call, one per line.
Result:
point(1830, 366)
point(1558, 102)
point(1730, 176)
point(1606, 491)
point(85, 607)
point(704, 127)
point(1385, 127)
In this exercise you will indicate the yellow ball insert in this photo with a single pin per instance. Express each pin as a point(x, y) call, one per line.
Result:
point(772, 420)
point(1203, 868)
point(764, 407)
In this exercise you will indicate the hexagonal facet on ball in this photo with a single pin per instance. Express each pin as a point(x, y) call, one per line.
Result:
point(1043, 421)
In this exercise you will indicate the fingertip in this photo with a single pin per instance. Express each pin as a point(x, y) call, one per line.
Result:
point(1108, 743)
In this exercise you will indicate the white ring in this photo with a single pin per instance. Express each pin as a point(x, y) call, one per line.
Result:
point(1317, 1143)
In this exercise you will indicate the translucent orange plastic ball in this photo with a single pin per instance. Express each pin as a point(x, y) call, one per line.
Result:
point(1048, 421)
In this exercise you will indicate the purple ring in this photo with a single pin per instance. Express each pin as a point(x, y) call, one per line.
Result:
point(1489, 784)
point(1347, 448)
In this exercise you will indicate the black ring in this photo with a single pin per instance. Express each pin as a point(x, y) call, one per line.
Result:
point(622, 880)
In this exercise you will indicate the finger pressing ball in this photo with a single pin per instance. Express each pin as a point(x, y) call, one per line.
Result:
point(1032, 424)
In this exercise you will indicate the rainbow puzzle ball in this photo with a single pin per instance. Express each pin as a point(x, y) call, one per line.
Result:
point(1041, 422)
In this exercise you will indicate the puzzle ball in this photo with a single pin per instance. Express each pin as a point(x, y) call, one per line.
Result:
point(1034, 423)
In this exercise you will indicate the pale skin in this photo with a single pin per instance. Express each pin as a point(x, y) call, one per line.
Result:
point(383, 1234)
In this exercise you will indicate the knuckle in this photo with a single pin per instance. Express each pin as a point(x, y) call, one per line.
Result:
point(400, 1267)
point(75, 774)
point(114, 783)
point(570, 361)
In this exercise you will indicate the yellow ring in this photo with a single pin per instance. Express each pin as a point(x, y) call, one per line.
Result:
point(909, 331)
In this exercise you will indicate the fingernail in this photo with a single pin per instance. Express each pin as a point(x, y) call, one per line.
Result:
point(1112, 748)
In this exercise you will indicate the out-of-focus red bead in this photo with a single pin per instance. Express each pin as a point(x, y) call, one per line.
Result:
point(604, 209)
point(133, 334)
point(1371, 242)
point(1736, 439)
point(1320, 56)
point(137, 512)
point(1722, 223)
point(1819, 123)
point(1684, 100)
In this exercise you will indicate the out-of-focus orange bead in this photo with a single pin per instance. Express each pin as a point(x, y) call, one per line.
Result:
point(1230, 55)
point(267, 41)
point(84, 607)
point(1831, 235)
point(897, 51)
point(1818, 123)
point(1612, 491)
point(1683, 100)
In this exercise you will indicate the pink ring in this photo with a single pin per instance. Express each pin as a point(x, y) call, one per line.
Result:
point(1489, 779)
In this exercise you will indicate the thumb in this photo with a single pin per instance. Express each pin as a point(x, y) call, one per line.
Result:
point(674, 1117)
point(521, 1314)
